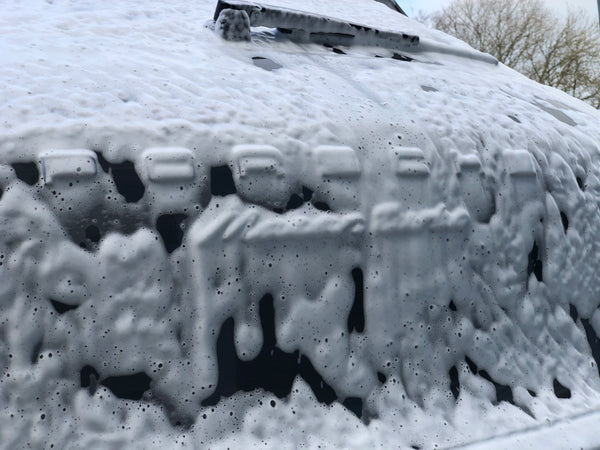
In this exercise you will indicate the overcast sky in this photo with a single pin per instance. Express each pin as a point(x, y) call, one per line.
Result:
point(590, 7)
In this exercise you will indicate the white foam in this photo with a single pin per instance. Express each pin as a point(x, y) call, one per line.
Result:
point(427, 204)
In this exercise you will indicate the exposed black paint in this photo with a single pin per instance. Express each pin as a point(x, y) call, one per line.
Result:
point(565, 221)
point(60, 307)
point(573, 312)
point(590, 334)
point(454, 382)
point(503, 392)
point(534, 264)
point(593, 341)
point(104, 164)
point(322, 206)
point(560, 391)
point(35, 352)
point(88, 377)
point(272, 370)
point(27, 172)
point(297, 200)
point(294, 202)
point(307, 193)
point(92, 232)
point(356, 318)
point(126, 179)
point(130, 387)
point(472, 366)
point(354, 404)
point(169, 228)
point(221, 181)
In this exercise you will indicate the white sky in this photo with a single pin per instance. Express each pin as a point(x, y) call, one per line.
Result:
point(412, 7)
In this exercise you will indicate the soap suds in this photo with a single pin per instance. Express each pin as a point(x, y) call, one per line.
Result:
point(344, 251)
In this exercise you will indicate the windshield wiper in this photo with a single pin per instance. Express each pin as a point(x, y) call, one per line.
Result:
point(305, 26)
point(235, 18)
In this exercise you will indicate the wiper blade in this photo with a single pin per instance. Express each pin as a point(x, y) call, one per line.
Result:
point(313, 27)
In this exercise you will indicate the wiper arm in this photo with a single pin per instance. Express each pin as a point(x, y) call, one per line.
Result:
point(393, 5)
point(308, 27)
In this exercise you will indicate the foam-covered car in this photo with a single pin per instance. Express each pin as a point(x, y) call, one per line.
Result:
point(230, 224)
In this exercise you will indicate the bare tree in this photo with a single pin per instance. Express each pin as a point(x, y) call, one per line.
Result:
point(525, 35)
